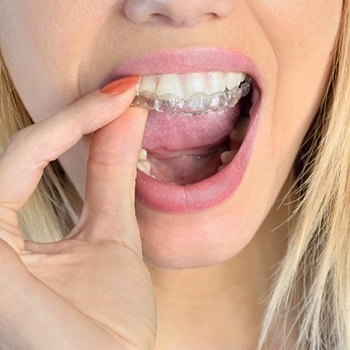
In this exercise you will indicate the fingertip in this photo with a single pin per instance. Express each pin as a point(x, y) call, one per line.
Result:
point(139, 112)
point(121, 85)
point(132, 123)
point(122, 138)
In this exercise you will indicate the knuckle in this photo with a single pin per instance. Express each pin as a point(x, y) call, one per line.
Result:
point(36, 145)
point(27, 144)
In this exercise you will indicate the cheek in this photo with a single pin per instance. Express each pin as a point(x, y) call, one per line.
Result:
point(43, 48)
point(32, 51)
point(302, 34)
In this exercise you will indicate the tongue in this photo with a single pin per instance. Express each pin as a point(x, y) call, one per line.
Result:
point(182, 132)
point(185, 169)
point(182, 149)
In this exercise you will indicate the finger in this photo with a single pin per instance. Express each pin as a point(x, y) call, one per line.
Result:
point(31, 149)
point(109, 211)
point(9, 231)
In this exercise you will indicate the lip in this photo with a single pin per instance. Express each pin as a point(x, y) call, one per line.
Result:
point(180, 61)
point(165, 197)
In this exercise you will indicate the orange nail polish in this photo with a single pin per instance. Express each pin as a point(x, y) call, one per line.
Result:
point(121, 85)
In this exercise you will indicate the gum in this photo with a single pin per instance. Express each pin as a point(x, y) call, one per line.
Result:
point(199, 103)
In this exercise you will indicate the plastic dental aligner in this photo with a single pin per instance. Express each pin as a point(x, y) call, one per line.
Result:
point(199, 103)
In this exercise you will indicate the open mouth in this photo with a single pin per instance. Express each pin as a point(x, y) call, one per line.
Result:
point(197, 124)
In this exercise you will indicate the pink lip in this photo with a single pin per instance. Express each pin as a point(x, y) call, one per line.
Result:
point(166, 197)
point(187, 61)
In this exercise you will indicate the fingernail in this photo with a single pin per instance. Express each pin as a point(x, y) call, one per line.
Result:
point(121, 85)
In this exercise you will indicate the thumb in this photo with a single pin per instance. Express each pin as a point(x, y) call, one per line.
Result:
point(109, 211)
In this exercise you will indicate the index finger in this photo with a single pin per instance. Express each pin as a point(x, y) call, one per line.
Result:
point(31, 149)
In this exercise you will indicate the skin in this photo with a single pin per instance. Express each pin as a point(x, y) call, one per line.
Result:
point(59, 51)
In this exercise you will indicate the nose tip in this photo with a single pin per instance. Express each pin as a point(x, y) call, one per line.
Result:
point(176, 12)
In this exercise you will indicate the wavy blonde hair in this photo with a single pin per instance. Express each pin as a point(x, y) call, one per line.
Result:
point(314, 277)
point(315, 271)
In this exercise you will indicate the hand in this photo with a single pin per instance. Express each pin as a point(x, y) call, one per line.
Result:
point(91, 290)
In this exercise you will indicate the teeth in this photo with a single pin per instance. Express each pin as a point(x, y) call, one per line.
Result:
point(233, 79)
point(143, 164)
point(195, 93)
point(145, 167)
point(195, 83)
point(147, 83)
point(186, 85)
point(143, 155)
point(170, 84)
point(217, 82)
point(226, 158)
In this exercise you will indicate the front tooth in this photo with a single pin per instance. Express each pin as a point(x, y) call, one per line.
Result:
point(170, 84)
point(195, 83)
point(216, 82)
point(233, 80)
point(148, 83)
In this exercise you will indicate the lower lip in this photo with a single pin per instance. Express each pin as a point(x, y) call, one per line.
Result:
point(165, 197)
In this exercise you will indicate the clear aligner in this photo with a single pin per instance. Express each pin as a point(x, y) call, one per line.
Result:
point(199, 103)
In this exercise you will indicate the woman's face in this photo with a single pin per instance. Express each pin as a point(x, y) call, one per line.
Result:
point(59, 50)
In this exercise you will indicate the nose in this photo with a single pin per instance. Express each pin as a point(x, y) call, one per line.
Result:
point(176, 12)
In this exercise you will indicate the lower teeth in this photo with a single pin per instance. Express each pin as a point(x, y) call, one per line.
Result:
point(144, 164)
point(226, 158)
point(199, 103)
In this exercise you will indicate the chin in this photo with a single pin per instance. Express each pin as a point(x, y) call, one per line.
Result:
point(195, 240)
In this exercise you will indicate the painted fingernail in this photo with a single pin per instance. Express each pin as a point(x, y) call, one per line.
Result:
point(120, 85)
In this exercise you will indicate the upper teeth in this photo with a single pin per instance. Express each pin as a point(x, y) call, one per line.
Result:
point(186, 85)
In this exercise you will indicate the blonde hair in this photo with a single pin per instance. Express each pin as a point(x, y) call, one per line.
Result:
point(315, 271)
point(314, 277)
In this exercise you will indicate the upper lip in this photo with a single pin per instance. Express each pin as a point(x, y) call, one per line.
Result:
point(181, 61)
